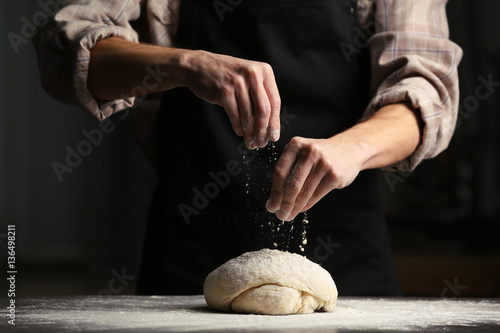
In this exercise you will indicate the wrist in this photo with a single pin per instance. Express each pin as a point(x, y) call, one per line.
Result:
point(187, 65)
point(389, 136)
point(171, 61)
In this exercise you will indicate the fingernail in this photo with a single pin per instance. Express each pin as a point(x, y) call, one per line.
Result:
point(283, 215)
point(275, 135)
point(251, 145)
point(261, 139)
point(270, 207)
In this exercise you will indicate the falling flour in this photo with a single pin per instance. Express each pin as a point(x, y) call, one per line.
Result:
point(281, 235)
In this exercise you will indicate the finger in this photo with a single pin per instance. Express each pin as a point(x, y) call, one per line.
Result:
point(262, 111)
point(230, 105)
point(294, 183)
point(245, 113)
point(308, 189)
point(280, 174)
point(325, 186)
point(273, 95)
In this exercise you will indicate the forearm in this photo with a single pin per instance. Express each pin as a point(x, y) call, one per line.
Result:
point(392, 134)
point(245, 89)
point(119, 68)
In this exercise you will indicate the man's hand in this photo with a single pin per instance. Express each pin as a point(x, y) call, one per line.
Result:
point(245, 89)
point(309, 169)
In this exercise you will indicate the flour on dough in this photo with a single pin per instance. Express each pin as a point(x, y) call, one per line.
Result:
point(270, 282)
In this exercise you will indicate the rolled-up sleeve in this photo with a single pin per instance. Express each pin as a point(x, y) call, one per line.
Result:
point(414, 61)
point(63, 49)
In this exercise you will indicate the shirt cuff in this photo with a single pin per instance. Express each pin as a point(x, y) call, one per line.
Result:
point(79, 58)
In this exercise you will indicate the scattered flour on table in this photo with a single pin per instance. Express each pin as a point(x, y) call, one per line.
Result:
point(190, 313)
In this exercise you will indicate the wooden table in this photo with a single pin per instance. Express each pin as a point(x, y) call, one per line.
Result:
point(191, 314)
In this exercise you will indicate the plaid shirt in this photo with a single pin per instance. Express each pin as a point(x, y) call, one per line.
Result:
point(412, 59)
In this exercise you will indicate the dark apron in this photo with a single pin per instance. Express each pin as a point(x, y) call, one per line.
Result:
point(202, 215)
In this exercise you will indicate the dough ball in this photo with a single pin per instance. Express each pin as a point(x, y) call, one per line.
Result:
point(270, 282)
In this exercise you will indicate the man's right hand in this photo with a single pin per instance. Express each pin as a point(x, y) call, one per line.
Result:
point(245, 89)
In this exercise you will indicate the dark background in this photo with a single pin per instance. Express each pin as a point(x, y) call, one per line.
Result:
point(74, 236)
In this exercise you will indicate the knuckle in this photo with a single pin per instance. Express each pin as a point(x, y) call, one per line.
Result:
point(293, 186)
point(251, 71)
point(239, 84)
point(315, 149)
point(312, 151)
point(327, 168)
point(325, 165)
point(279, 173)
point(275, 193)
point(226, 88)
point(247, 120)
point(307, 153)
point(331, 174)
point(263, 110)
point(258, 69)
point(287, 204)
point(267, 68)
point(305, 193)
point(246, 117)
point(295, 142)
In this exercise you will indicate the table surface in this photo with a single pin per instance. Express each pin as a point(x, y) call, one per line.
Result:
point(191, 314)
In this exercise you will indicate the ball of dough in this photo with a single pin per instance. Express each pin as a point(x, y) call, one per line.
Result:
point(270, 282)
